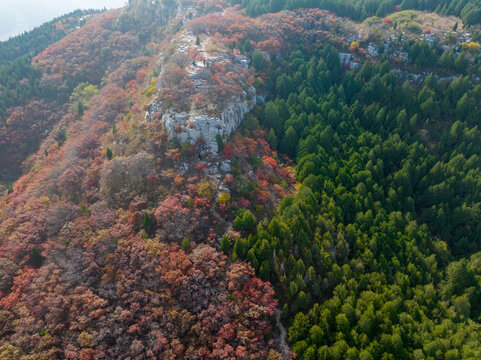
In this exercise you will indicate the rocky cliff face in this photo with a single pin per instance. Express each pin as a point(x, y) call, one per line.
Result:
point(192, 126)
point(215, 116)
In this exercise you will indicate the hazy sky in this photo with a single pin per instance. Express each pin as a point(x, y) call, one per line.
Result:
point(17, 16)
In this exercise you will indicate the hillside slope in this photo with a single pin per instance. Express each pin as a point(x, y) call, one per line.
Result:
point(103, 244)
point(26, 108)
point(210, 185)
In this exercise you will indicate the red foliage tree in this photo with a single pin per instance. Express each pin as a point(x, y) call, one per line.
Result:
point(175, 219)
point(88, 146)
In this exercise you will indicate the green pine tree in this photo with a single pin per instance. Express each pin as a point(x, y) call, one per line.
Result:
point(36, 258)
point(225, 244)
point(185, 244)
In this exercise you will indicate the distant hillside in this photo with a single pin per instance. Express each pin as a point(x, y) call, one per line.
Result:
point(19, 85)
point(38, 39)
point(468, 10)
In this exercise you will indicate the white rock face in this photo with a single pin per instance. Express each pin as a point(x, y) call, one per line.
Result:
point(190, 127)
point(345, 58)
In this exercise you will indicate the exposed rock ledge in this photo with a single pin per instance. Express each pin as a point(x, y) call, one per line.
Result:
point(189, 127)
point(223, 118)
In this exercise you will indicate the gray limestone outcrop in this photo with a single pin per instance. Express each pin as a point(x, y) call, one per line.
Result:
point(190, 127)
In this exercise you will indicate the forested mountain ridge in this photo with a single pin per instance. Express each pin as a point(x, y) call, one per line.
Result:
point(200, 168)
point(20, 87)
point(469, 10)
point(33, 41)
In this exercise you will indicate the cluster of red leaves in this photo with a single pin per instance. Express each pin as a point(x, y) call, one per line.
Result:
point(201, 165)
point(243, 147)
point(178, 95)
point(272, 46)
point(225, 85)
point(202, 203)
point(270, 32)
point(19, 136)
point(244, 203)
point(176, 220)
point(272, 179)
point(228, 152)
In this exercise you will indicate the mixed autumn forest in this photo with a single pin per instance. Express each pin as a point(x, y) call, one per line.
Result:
point(215, 179)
